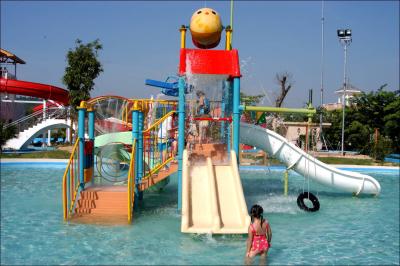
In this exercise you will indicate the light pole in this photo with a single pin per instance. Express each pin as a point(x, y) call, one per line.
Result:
point(345, 39)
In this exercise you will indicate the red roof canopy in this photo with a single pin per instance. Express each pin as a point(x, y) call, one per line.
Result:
point(218, 62)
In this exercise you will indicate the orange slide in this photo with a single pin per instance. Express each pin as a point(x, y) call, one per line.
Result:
point(43, 91)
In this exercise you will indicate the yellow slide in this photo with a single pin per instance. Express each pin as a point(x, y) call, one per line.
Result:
point(212, 198)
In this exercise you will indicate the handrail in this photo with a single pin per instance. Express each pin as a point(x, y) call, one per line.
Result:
point(36, 118)
point(159, 121)
point(157, 168)
point(24, 118)
point(157, 151)
point(99, 98)
point(65, 187)
point(131, 182)
point(40, 112)
point(71, 206)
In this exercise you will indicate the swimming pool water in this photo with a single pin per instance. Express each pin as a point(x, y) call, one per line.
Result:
point(347, 230)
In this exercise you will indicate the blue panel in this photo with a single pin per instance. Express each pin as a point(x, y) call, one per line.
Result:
point(161, 84)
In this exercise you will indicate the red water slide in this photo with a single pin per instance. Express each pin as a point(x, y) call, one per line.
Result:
point(43, 91)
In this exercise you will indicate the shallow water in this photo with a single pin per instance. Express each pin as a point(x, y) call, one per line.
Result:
point(346, 230)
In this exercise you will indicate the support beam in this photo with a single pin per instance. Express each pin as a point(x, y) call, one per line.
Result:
point(49, 137)
point(91, 126)
point(81, 136)
point(181, 136)
point(140, 151)
point(135, 137)
point(278, 109)
point(236, 116)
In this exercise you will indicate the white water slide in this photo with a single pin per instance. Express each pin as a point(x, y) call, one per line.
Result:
point(212, 198)
point(296, 159)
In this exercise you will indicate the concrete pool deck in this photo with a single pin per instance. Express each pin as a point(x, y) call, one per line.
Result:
point(242, 167)
point(27, 160)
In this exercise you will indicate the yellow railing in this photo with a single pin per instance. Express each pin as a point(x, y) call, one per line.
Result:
point(159, 109)
point(131, 182)
point(157, 148)
point(71, 181)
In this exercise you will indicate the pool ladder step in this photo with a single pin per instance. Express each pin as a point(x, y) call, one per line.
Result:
point(101, 204)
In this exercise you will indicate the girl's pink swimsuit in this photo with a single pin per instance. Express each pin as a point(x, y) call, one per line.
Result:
point(260, 242)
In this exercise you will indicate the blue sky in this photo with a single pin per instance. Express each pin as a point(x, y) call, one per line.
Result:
point(141, 40)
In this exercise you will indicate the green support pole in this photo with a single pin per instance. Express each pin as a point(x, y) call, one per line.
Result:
point(309, 110)
point(286, 182)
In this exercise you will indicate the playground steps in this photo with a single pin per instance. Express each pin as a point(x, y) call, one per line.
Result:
point(161, 175)
point(109, 204)
point(102, 205)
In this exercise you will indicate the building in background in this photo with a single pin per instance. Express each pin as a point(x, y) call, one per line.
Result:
point(350, 93)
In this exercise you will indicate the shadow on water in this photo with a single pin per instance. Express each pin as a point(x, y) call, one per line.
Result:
point(159, 200)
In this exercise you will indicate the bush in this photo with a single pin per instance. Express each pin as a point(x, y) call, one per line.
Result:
point(6, 133)
point(382, 148)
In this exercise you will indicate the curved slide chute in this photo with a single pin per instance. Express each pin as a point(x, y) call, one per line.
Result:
point(298, 160)
point(34, 89)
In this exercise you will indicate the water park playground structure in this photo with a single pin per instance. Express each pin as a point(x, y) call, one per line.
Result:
point(126, 146)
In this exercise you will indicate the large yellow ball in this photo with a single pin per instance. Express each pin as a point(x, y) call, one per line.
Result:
point(206, 28)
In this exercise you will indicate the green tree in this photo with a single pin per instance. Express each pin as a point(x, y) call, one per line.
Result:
point(381, 148)
point(374, 110)
point(250, 100)
point(82, 69)
point(6, 133)
point(381, 110)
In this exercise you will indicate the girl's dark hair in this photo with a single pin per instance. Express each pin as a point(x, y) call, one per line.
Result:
point(256, 212)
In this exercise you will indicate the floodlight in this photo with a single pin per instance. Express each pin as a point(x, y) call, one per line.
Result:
point(341, 33)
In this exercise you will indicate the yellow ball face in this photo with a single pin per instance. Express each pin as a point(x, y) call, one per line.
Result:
point(206, 27)
point(205, 20)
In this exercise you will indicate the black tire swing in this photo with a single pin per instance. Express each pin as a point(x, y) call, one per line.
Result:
point(312, 198)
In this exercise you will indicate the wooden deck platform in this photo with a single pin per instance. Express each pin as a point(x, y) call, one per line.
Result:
point(108, 205)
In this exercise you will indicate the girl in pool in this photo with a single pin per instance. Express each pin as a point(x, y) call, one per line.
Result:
point(260, 234)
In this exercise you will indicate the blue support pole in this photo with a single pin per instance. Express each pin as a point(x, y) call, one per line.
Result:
point(135, 136)
point(140, 150)
point(91, 124)
point(229, 98)
point(228, 139)
point(91, 134)
point(181, 136)
point(222, 128)
point(81, 136)
point(236, 116)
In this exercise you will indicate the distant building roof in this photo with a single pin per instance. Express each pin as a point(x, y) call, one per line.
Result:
point(351, 89)
point(7, 57)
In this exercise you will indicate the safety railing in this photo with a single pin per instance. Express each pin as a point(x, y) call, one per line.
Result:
point(71, 182)
point(159, 144)
point(131, 182)
point(152, 109)
point(37, 117)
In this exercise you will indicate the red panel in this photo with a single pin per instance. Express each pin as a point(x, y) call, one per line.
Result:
point(219, 62)
point(39, 90)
